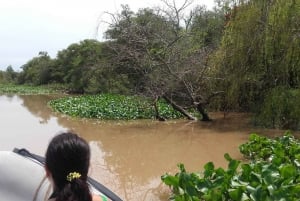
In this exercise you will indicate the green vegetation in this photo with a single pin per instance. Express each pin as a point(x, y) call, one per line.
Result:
point(27, 89)
point(272, 174)
point(243, 56)
point(259, 53)
point(237, 56)
point(112, 107)
point(281, 109)
point(8, 76)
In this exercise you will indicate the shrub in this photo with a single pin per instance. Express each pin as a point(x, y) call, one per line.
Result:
point(281, 109)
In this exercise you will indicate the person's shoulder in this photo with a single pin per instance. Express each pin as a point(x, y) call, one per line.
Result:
point(97, 198)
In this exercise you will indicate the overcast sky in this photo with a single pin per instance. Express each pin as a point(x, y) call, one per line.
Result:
point(30, 26)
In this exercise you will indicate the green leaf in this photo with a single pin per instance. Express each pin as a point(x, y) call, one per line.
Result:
point(287, 171)
point(170, 180)
point(236, 194)
point(208, 169)
point(227, 157)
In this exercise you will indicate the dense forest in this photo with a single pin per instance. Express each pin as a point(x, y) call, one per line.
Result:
point(242, 56)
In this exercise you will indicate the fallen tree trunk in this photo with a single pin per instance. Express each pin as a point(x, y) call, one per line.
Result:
point(179, 108)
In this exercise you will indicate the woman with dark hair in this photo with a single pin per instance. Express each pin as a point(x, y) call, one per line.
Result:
point(67, 165)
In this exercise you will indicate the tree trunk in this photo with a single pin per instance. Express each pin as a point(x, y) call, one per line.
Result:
point(157, 115)
point(179, 109)
point(203, 113)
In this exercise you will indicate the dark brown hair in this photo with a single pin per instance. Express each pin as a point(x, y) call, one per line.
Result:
point(69, 153)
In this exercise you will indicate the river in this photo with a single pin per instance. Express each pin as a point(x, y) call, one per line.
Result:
point(127, 156)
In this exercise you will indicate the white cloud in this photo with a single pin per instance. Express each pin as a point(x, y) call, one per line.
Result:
point(30, 26)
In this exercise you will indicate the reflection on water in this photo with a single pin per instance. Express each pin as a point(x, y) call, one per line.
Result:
point(27, 122)
point(128, 157)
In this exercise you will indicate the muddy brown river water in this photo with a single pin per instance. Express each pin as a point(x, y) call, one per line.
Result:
point(128, 156)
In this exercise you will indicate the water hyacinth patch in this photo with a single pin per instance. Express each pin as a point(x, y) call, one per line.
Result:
point(271, 175)
point(280, 150)
point(111, 107)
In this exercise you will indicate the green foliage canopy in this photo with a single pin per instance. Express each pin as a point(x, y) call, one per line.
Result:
point(259, 51)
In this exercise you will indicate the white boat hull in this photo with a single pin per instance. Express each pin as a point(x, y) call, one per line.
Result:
point(24, 179)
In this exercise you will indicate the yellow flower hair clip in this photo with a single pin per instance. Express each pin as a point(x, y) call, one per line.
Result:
point(73, 175)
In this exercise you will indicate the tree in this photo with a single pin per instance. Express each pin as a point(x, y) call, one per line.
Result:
point(162, 55)
point(259, 52)
point(74, 64)
point(10, 75)
point(85, 68)
point(37, 70)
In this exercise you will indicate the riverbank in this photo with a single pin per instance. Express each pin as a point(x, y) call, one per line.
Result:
point(29, 89)
point(100, 106)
